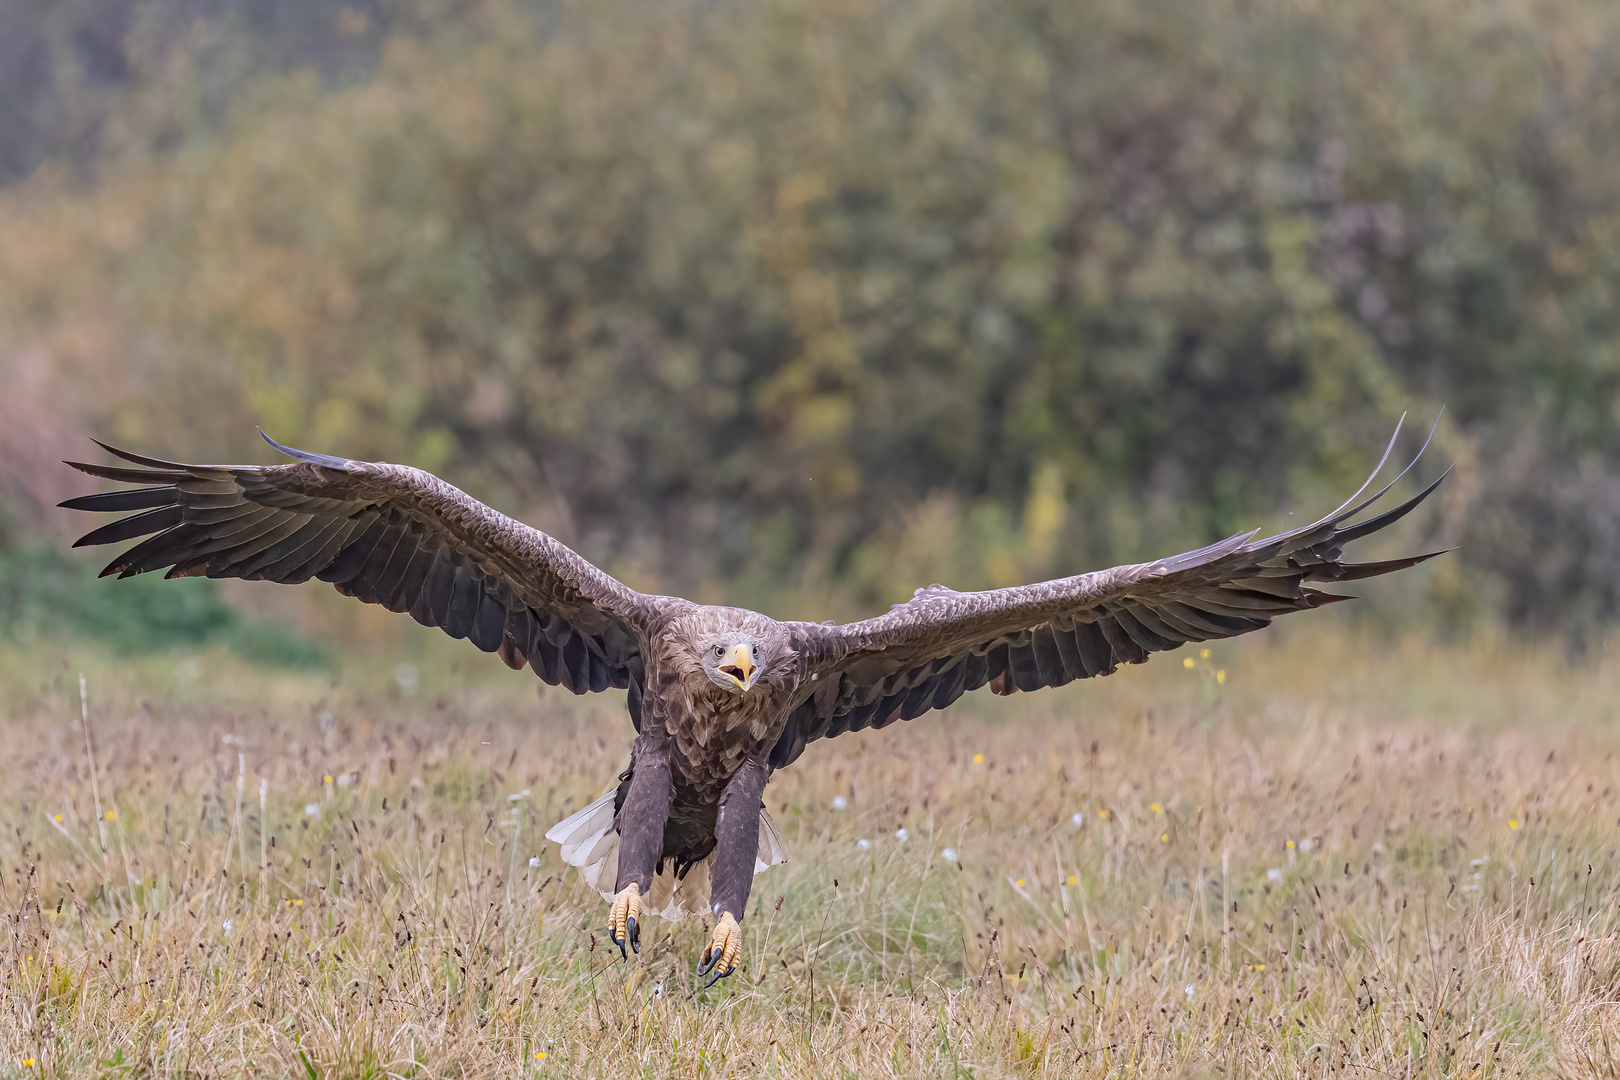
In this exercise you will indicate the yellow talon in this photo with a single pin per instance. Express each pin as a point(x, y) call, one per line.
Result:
point(723, 951)
point(623, 926)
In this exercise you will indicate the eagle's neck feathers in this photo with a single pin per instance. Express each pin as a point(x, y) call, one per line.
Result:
point(713, 731)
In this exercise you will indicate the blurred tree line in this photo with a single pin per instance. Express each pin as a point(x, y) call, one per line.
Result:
point(807, 303)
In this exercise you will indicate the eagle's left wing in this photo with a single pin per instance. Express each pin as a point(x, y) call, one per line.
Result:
point(926, 653)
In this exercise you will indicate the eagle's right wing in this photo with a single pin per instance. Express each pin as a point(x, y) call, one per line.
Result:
point(389, 535)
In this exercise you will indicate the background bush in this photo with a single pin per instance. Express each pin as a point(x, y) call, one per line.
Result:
point(810, 302)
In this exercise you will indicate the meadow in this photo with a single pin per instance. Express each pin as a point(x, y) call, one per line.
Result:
point(1313, 852)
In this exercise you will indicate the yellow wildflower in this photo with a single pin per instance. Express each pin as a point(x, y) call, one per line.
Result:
point(1220, 676)
point(1204, 653)
point(1074, 879)
point(111, 815)
point(1187, 663)
point(1513, 824)
point(1156, 808)
point(978, 759)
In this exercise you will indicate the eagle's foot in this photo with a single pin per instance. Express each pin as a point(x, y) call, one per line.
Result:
point(723, 951)
point(622, 920)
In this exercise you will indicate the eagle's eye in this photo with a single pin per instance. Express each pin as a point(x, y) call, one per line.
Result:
point(719, 651)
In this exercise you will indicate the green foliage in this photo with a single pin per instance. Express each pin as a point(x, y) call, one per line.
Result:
point(818, 301)
point(48, 595)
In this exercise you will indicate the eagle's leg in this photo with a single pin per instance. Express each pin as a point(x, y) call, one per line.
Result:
point(641, 842)
point(736, 832)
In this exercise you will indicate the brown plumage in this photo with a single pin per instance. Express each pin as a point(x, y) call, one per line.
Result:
point(720, 697)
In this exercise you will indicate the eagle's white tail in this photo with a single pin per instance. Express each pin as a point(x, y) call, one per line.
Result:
point(590, 842)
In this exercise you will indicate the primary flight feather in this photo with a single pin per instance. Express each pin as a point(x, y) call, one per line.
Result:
point(720, 697)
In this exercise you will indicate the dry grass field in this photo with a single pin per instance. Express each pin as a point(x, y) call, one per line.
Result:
point(1346, 856)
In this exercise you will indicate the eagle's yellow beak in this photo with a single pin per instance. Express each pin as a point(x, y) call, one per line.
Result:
point(738, 666)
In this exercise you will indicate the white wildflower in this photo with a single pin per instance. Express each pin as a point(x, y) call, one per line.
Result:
point(949, 854)
point(900, 836)
point(227, 925)
point(839, 802)
point(534, 861)
point(862, 844)
point(1078, 819)
point(312, 809)
point(1274, 874)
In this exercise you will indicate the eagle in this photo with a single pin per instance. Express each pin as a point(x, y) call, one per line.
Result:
point(720, 697)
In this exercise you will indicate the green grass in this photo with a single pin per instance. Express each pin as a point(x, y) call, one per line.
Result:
point(48, 596)
point(1353, 857)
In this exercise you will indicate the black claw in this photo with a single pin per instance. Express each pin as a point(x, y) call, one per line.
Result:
point(634, 933)
point(614, 937)
point(707, 964)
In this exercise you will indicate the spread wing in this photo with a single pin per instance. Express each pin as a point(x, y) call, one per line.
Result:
point(928, 652)
point(389, 535)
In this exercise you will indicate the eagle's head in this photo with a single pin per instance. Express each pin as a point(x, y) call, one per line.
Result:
point(735, 649)
point(733, 661)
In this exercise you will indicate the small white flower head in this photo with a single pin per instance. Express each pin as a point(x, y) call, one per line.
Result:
point(1379, 847)
point(1274, 874)
point(839, 802)
point(534, 862)
point(227, 925)
point(1189, 989)
point(862, 844)
point(408, 678)
point(516, 796)
point(1078, 819)
point(949, 854)
point(344, 779)
point(900, 836)
point(416, 781)
point(312, 809)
